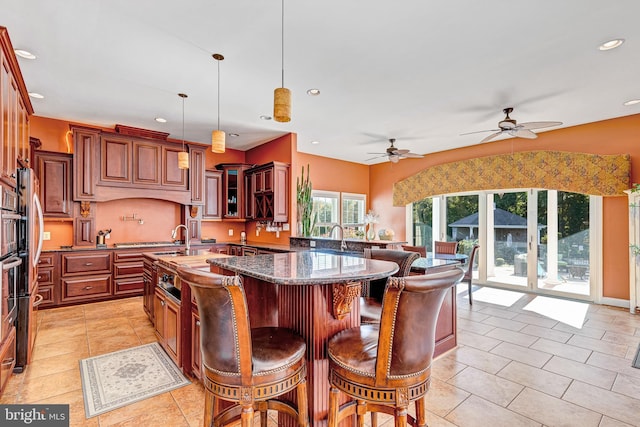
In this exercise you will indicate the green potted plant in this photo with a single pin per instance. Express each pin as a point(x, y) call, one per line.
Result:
point(306, 215)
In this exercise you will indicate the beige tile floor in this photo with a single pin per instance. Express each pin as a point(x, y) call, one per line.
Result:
point(522, 360)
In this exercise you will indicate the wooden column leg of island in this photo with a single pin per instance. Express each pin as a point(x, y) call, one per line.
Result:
point(308, 310)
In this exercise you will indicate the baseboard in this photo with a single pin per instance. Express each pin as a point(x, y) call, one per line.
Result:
point(615, 302)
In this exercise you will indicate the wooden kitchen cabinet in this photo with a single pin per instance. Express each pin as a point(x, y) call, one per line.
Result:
point(196, 354)
point(212, 195)
point(233, 190)
point(128, 268)
point(197, 177)
point(7, 358)
point(54, 173)
point(47, 270)
point(85, 277)
point(270, 196)
point(15, 109)
point(167, 324)
point(149, 278)
point(86, 149)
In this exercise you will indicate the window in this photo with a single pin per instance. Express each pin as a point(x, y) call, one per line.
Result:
point(346, 209)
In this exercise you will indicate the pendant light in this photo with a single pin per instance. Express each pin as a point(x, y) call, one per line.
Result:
point(282, 95)
point(218, 136)
point(183, 156)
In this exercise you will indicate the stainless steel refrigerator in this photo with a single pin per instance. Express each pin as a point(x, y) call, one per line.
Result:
point(30, 233)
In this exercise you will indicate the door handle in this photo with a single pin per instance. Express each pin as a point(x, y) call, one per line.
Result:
point(38, 301)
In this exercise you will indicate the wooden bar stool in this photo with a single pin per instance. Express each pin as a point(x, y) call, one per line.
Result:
point(248, 367)
point(385, 367)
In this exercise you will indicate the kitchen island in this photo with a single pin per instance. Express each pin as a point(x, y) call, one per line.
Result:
point(314, 294)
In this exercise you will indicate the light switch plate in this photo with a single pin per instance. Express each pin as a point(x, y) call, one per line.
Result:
point(231, 232)
point(46, 235)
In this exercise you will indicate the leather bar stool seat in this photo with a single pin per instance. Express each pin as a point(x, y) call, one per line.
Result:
point(371, 303)
point(387, 366)
point(250, 368)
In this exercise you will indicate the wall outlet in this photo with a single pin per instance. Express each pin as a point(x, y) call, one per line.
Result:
point(231, 232)
point(285, 226)
point(46, 235)
point(312, 243)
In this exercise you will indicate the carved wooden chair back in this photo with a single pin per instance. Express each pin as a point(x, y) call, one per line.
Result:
point(385, 367)
point(422, 250)
point(229, 346)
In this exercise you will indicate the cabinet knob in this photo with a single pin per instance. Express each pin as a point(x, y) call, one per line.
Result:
point(197, 323)
point(39, 277)
point(162, 303)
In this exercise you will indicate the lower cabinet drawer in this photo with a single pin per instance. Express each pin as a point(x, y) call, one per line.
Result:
point(48, 298)
point(45, 276)
point(129, 286)
point(128, 269)
point(86, 263)
point(87, 287)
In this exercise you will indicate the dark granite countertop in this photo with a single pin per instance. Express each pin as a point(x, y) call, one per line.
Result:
point(307, 267)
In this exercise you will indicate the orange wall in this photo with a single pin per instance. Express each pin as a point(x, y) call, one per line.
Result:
point(615, 136)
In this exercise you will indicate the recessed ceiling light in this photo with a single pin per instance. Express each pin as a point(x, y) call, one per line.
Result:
point(265, 117)
point(233, 135)
point(160, 120)
point(315, 142)
point(632, 102)
point(24, 54)
point(611, 44)
point(313, 92)
point(36, 95)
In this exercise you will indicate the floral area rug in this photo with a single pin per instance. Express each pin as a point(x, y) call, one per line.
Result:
point(117, 379)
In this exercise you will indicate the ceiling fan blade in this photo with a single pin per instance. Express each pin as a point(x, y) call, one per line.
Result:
point(399, 152)
point(490, 137)
point(413, 156)
point(381, 154)
point(480, 131)
point(538, 125)
point(522, 133)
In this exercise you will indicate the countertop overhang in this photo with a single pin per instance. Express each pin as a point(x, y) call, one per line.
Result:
point(306, 267)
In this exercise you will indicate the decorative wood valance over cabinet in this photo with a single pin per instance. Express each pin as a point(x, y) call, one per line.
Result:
point(599, 175)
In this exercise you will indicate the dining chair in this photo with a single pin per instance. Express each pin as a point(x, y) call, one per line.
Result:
point(468, 274)
point(249, 367)
point(387, 366)
point(373, 291)
point(422, 250)
point(449, 248)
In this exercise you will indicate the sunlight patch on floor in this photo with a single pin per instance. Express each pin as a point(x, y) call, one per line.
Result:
point(496, 296)
point(571, 313)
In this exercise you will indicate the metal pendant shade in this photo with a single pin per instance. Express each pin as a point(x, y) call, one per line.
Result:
point(282, 95)
point(217, 136)
point(183, 156)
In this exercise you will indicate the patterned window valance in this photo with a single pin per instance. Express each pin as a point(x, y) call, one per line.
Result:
point(602, 175)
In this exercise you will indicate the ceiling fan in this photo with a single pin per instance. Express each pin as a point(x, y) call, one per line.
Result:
point(511, 127)
point(394, 154)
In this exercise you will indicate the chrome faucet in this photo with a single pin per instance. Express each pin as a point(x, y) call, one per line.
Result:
point(343, 244)
point(186, 235)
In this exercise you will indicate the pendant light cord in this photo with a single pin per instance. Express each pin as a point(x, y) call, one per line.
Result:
point(182, 123)
point(282, 43)
point(218, 94)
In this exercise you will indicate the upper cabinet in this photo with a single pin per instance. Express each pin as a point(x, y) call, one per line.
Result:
point(233, 190)
point(54, 173)
point(137, 161)
point(15, 109)
point(213, 195)
point(270, 192)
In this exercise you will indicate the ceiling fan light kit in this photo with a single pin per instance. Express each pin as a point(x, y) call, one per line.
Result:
point(218, 136)
point(394, 154)
point(511, 127)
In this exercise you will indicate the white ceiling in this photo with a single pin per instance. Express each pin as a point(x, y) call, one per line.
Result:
point(420, 71)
